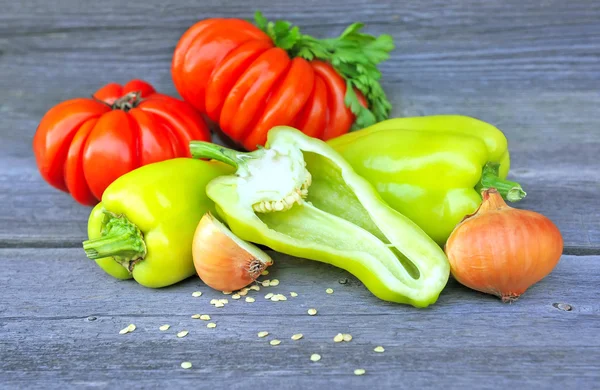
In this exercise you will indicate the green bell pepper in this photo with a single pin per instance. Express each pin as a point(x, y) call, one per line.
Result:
point(144, 226)
point(300, 197)
point(431, 169)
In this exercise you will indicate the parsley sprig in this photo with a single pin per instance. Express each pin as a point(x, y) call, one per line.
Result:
point(353, 54)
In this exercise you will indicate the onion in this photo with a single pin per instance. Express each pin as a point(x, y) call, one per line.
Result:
point(503, 251)
point(222, 260)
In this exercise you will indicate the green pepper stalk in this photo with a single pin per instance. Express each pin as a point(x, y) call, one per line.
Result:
point(300, 197)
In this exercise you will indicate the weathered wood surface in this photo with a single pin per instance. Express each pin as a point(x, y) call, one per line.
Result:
point(531, 68)
point(62, 322)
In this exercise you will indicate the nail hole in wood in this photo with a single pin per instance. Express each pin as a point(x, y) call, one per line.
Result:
point(343, 281)
point(91, 318)
point(563, 306)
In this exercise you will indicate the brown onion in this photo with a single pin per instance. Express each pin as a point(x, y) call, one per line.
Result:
point(222, 260)
point(501, 250)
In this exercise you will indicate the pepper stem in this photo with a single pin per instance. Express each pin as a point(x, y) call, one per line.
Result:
point(121, 240)
point(201, 149)
point(510, 190)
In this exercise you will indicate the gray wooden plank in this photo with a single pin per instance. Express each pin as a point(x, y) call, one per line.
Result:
point(35, 214)
point(527, 68)
point(60, 316)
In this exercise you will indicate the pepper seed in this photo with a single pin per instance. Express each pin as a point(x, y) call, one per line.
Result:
point(263, 334)
point(293, 294)
point(186, 365)
point(183, 333)
point(269, 296)
point(379, 349)
point(297, 336)
point(196, 316)
point(275, 342)
point(236, 296)
point(205, 317)
point(359, 371)
point(249, 299)
point(211, 325)
point(312, 312)
point(315, 357)
point(338, 338)
point(329, 291)
point(197, 294)
point(164, 327)
point(347, 337)
point(274, 282)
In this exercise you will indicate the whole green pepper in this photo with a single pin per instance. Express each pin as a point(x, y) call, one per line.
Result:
point(144, 226)
point(432, 168)
point(299, 197)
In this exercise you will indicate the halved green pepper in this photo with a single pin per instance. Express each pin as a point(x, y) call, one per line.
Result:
point(300, 197)
point(144, 226)
point(431, 169)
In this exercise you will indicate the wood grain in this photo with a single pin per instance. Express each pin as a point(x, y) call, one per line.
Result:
point(61, 326)
point(530, 68)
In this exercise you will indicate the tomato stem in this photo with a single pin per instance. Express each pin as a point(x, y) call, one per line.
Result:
point(128, 101)
point(510, 190)
point(121, 239)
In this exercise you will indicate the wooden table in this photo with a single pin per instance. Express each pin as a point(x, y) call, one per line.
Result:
point(531, 68)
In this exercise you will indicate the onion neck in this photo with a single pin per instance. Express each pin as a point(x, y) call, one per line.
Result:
point(121, 239)
point(510, 190)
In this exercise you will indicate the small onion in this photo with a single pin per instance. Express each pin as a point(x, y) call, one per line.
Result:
point(501, 250)
point(222, 260)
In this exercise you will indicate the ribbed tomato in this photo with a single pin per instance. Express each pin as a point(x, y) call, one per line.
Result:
point(82, 145)
point(232, 71)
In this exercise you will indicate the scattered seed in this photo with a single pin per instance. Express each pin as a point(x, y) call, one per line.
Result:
point(197, 294)
point(312, 312)
point(379, 349)
point(130, 328)
point(359, 371)
point(347, 337)
point(213, 301)
point(282, 297)
point(164, 327)
point(205, 317)
point(264, 273)
point(297, 336)
point(211, 325)
point(183, 333)
point(255, 287)
point(242, 292)
point(293, 294)
point(186, 365)
point(249, 299)
point(275, 298)
point(224, 301)
point(227, 292)
point(275, 342)
point(235, 296)
point(274, 282)
point(315, 357)
point(219, 304)
point(338, 338)
point(196, 316)
point(269, 296)
point(265, 283)
point(329, 291)
point(263, 334)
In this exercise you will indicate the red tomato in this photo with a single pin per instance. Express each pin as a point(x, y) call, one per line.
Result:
point(82, 145)
point(231, 70)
